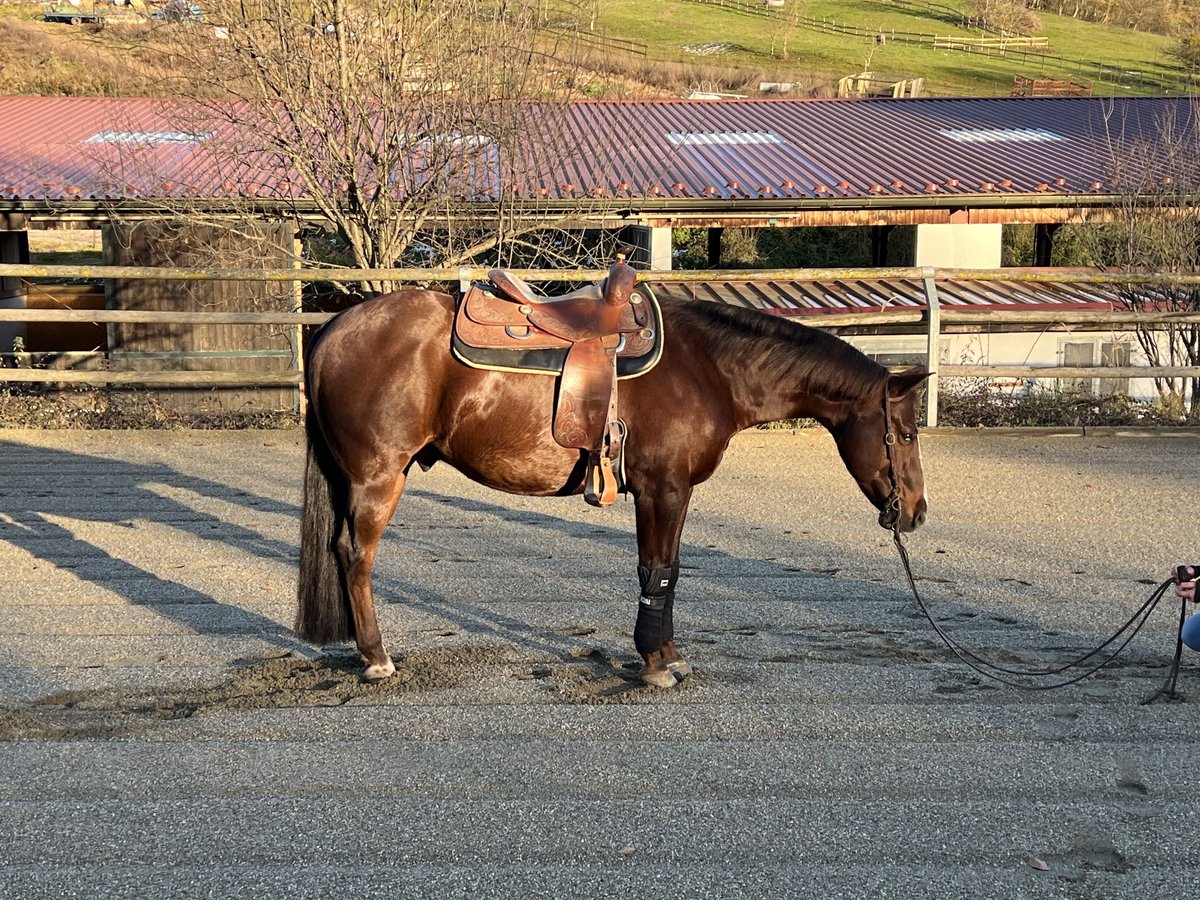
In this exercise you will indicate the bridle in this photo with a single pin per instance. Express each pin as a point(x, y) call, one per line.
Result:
point(889, 516)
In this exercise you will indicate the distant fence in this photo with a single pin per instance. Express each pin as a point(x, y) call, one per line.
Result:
point(945, 14)
point(601, 41)
point(931, 319)
point(1032, 51)
point(986, 44)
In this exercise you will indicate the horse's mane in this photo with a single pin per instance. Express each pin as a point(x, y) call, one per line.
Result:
point(779, 349)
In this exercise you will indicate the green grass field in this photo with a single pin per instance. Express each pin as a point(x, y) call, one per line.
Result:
point(53, 59)
point(670, 26)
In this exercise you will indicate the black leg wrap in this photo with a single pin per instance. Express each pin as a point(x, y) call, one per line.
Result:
point(654, 621)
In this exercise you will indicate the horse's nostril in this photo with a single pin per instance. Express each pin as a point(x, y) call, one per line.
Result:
point(920, 519)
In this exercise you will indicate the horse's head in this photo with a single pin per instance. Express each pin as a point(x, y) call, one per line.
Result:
point(878, 443)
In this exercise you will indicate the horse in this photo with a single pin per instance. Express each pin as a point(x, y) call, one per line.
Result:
point(385, 392)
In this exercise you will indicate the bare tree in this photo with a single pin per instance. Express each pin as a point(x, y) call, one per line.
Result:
point(1007, 16)
point(791, 17)
point(403, 124)
point(1155, 227)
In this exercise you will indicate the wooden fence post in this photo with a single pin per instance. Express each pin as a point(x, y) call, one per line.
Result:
point(933, 332)
point(301, 402)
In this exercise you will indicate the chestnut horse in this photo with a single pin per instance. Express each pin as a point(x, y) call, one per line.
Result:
point(384, 392)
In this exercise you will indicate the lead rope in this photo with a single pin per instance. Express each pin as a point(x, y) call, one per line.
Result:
point(1168, 688)
point(981, 665)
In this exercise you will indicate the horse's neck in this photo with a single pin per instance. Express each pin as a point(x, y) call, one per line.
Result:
point(764, 389)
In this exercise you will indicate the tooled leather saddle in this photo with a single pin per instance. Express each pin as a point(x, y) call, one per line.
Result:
point(590, 338)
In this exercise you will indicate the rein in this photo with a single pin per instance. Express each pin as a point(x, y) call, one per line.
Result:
point(890, 518)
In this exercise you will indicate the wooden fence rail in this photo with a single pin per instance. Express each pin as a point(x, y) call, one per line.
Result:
point(455, 275)
point(934, 317)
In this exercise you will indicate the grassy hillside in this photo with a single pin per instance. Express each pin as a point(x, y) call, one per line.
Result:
point(45, 58)
point(689, 44)
point(672, 29)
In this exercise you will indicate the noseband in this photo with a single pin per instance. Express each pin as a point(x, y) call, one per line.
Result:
point(889, 517)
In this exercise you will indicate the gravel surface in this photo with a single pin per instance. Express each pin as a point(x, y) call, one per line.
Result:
point(161, 730)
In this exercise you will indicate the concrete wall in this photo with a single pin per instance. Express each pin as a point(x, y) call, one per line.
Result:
point(959, 246)
point(1034, 349)
point(653, 246)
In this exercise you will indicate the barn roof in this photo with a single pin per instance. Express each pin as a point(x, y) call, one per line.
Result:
point(735, 155)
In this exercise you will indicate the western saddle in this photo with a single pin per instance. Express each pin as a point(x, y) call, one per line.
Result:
point(584, 337)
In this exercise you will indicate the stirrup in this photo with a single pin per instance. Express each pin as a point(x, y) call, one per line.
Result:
point(601, 489)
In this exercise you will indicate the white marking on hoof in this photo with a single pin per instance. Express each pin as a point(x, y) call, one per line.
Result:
point(658, 677)
point(680, 667)
point(379, 672)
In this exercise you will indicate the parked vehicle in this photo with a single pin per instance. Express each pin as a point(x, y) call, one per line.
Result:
point(97, 12)
point(74, 15)
point(180, 11)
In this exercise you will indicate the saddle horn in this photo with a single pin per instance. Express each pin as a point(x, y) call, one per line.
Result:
point(620, 283)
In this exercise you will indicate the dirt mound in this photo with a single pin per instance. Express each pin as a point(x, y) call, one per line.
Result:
point(284, 682)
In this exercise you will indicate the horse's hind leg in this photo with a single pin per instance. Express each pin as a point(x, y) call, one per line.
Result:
point(371, 505)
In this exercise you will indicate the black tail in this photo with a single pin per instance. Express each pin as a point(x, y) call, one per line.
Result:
point(323, 610)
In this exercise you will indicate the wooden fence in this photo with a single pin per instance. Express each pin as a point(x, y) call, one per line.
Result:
point(932, 319)
point(1000, 44)
point(601, 41)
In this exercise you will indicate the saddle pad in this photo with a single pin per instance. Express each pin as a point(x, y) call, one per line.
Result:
point(545, 353)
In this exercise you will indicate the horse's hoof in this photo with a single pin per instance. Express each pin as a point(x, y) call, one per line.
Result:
point(663, 678)
point(378, 672)
point(680, 667)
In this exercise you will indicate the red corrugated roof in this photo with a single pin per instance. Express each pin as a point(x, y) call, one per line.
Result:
point(744, 151)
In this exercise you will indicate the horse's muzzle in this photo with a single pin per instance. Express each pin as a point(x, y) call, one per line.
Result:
point(893, 517)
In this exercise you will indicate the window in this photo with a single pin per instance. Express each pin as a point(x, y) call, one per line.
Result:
point(1114, 353)
point(1084, 354)
point(1077, 354)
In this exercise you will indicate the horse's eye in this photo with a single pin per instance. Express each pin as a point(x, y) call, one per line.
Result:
point(908, 437)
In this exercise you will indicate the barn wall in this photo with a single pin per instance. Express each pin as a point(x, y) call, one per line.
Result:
point(14, 248)
point(1050, 348)
point(241, 348)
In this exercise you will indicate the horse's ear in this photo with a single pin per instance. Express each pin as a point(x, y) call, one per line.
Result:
point(901, 383)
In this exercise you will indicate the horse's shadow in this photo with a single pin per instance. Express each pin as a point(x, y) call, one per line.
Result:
point(857, 634)
point(27, 521)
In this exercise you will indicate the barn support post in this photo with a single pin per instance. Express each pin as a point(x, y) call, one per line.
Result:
point(879, 244)
point(931, 346)
point(714, 247)
point(1043, 242)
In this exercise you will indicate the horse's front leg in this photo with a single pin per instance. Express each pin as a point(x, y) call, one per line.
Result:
point(660, 518)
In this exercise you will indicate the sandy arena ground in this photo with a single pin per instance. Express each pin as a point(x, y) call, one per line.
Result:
point(162, 732)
